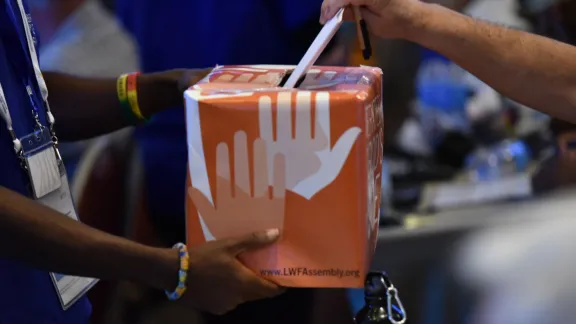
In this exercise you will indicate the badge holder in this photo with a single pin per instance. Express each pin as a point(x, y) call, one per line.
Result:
point(69, 288)
point(41, 162)
point(49, 186)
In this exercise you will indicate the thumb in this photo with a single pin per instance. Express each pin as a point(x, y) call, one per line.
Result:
point(253, 241)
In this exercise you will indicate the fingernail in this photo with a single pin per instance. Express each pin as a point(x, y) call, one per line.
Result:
point(324, 14)
point(272, 233)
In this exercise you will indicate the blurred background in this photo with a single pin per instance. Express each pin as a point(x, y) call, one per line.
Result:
point(477, 189)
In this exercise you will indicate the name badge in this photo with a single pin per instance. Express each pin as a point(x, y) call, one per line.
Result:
point(69, 288)
point(41, 163)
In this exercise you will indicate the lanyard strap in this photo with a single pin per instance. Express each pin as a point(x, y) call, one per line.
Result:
point(31, 49)
point(5, 113)
point(33, 60)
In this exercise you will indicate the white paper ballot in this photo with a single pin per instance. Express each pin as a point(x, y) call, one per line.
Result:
point(319, 44)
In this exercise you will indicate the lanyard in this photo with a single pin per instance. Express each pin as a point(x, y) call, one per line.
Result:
point(5, 113)
point(33, 60)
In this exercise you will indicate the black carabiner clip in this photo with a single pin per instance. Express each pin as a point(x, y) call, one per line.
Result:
point(383, 304)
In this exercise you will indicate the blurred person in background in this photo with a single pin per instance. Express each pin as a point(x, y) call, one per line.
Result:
point(83, 38)
point(193, 33)
point(522, 271)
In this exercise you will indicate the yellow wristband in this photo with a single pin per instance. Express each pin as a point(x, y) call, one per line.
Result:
point(122, 93)
point(121, 88)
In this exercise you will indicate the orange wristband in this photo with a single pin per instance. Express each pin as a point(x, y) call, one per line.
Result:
point(121, 91)
point(132, 94)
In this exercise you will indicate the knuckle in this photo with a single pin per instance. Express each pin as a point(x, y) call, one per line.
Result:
point(255, 237)
point(234, 247)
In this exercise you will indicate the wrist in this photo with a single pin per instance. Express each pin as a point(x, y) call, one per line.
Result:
point(165, 274)
point(163, 90)
point(159, 91)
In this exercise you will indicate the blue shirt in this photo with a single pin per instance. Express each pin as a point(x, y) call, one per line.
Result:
point(27, 295)
point(197, 34)
point(431, 55)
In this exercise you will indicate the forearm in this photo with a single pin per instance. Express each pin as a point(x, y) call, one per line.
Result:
point(85, 108)
point(40, 237)
point(457, 5)
point(533, 70)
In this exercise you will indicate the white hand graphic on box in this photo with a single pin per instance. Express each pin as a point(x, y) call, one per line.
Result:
point(311, 164)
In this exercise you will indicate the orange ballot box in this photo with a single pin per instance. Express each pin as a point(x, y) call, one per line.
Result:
point(306, 160)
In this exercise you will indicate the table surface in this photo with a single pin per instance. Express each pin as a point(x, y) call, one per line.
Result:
point(439, 233)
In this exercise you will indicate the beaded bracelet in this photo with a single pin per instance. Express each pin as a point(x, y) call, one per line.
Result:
point(126, 90)
point(182, 273)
